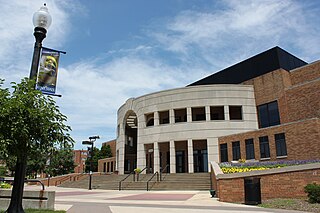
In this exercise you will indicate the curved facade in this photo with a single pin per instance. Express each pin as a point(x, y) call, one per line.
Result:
point(177, 130)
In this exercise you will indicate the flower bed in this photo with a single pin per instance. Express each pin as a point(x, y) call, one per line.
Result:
point(228, 168)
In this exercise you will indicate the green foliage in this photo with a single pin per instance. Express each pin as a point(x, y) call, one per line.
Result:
point(4, 185)
point(137, 170)
point(313, 191)
point(60, 161)
point(31, 125)
point(105, 152)
point(3, 171)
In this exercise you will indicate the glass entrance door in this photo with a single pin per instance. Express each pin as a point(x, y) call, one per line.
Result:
point(200, 160)
point(180, 162)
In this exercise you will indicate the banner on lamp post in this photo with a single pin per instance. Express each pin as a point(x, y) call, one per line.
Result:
point(48, 71)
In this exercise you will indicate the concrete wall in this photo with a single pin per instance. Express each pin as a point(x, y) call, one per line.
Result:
point(188, 97)
point(27, 202)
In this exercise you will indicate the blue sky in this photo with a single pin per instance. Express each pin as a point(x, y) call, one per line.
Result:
point(124, 48)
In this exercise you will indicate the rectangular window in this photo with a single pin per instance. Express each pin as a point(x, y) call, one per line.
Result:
point(180, 115)
point(235, 112)
point(223, 152)
point(264, 147)
point(149, 119)
point(217, 112)
point(281, 146)
point(249, 149)
point(198, 114)
point(164, 117)
point(268, 114)
point(236, 154)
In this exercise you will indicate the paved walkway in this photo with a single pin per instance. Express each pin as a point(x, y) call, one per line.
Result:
point(106, 201)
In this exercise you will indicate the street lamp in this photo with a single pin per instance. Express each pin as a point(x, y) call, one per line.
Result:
point(91, 141)
point(41, 21)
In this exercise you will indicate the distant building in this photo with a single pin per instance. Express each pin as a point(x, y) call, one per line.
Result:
point(80, 157)
point(264, 108)
point(108, 165)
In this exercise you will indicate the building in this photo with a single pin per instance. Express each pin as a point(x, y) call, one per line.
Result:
point(108, 165)
point(79, 158)
point(264, 108)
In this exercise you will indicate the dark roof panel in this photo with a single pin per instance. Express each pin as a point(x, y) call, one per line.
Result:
point(255, 66)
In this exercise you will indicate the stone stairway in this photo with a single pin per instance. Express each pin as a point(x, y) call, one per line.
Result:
point(181, 181)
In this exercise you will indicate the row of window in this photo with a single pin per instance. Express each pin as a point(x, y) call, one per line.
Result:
point(197, 114)
point(280, 142)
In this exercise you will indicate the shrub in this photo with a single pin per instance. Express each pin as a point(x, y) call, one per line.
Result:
point(4, 185)
point(137, 170)
point(3, 171)
point(313, 191)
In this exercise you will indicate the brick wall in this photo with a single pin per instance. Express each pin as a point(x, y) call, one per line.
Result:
point(302, 140)
point(274, 184)
point(306, 73)
point(112, 144)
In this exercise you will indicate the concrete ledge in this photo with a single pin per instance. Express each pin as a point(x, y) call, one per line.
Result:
point(31, 199)
point(268, 171)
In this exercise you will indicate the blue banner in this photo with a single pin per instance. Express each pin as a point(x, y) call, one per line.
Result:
point(48, 71)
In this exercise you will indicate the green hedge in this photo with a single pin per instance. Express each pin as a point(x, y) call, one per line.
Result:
point(313, 191)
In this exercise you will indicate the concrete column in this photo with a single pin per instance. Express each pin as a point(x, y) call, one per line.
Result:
point(226, 113)
point(190, 156)
point(120, 150)
point(156, 118)
point(171, 116)
point(141, 157)
point(207, 111)
point(172, 157)
point(213, 151)
point(156, 157)
point(189, 114)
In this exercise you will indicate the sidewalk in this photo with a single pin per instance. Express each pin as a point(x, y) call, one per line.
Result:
point(106, 201)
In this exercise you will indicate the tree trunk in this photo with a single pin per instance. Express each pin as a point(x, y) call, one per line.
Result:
point(18, 184)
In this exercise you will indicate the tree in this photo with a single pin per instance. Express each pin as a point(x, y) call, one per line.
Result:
point(30, 125)
point(105, 152)
point(60, 161)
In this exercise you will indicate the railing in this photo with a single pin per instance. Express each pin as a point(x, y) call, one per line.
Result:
point(126, 178)
point(161, 172)
point(156, 173)
point(26, 180)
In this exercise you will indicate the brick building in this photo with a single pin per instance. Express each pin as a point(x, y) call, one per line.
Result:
point(264, 108)
point(79, 158)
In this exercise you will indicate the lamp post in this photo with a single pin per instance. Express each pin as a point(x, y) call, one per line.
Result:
point(41, 21)
point(91, 141)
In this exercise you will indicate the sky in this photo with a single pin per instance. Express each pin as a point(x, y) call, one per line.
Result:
point(118, 49)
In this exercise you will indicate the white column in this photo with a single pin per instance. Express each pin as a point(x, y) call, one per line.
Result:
point(172, 157)
point(213, 151)
point(171, 116)
point(156, 157)
point(189, 114)
point(121, 150)
point(207, 111)
point(141, 157)
point(190, 156)
point(226, 113)
point(156, 118)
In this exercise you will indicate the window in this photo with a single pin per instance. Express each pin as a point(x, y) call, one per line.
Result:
point(281, 146)
point(264, 147)
point(223, 152)
point(198, 114)
point(149, 119)
point(268, 114)
point(249, 149)
point(235, 112)
point(164, 117)
point(236, 155)
point(217, 112)
point(180, 115)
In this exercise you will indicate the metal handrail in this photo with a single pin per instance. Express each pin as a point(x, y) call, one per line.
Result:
point(132, 172)
point(26, 180)
point(156, 173)
point(164, 169)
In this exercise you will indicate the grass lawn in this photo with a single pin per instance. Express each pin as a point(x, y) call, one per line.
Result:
point(40, 211)
point(291, 204)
